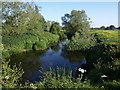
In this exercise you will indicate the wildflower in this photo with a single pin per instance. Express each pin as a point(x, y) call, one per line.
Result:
point(82, 70)
point(33, 86)
point(103, 76)
point(6, 77)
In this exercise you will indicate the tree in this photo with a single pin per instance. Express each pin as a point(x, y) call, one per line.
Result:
point(102, 27)
point(49, 24)
point(37, 9)
point(107, 28)
point(55, 28)
point(19, 17)
point(77, 25)
point(21, 20)
point(76, 21)
point(112, 27)
point(119, 27)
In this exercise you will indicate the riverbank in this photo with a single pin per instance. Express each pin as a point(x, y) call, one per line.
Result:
point(25, 42)
point(103, 57)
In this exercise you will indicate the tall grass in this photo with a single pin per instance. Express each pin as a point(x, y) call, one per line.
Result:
point(54, 78)
point(59, 78)
point(110, 37)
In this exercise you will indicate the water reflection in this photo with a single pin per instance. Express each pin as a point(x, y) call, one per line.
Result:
point(33, 62)
point(30, 64)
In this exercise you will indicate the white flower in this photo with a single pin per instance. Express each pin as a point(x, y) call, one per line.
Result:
point(81, 70)
point(6, 77)
point(103, 76)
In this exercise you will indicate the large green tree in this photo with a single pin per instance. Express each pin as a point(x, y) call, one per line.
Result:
point(102, 27)
point(24, 27)
point(76, 21)
point(112, 27)
point(55, 28)
point(21, 17)
point(77, 25)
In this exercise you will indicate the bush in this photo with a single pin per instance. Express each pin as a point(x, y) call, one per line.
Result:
point(40, 45)
point(11, 76)
point(25, 41)
point(80, 42)
point(62, 79)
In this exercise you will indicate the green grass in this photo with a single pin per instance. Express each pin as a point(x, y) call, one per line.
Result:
point(54, 78)
point(11, 79)
point(108, 36)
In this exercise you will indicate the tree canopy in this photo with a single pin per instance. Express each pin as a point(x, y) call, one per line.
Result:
point(102, 27)
point(112, 27)
point(76, 21)
point(24, 27)
point(20, 16)
point(77, 26)
point(55, 28)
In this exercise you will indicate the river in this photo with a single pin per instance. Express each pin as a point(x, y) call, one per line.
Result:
point(33, 62)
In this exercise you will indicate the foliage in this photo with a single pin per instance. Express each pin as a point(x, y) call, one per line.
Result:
point(76, 21)
point(58, 79)
point(101, 59)
point(112, 27)
point(106, 53)
point(11, 76)
point(19, 31)
point(115, 85)
point(80, 42)
point(55, 28)
point(119, 28)
point(107, 36)
point(77, 26)
point(21, 34)
point(111, 81)
point(102, 27)
point(49, 23)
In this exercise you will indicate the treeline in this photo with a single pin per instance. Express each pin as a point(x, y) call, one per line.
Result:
point(111, 27)
point(24, 28)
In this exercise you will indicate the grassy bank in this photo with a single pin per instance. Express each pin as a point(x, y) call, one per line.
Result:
point(16, 43)
point(54, 79)
point(107, 36)
point(102, 56)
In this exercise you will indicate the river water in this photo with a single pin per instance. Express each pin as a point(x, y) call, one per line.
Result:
point(33, 62)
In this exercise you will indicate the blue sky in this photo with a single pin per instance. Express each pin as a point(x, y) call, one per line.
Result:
point(100, 13)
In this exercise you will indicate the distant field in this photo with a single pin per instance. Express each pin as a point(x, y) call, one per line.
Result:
point(108, 36)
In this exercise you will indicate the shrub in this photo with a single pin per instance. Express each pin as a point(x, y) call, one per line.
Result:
point(11, 76)
point(62, 79)
point(80, 42)
point(40, 45)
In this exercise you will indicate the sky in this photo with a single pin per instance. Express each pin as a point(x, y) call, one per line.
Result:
point(100, 13)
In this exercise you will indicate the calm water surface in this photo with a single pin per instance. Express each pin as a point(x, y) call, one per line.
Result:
point(33, 62)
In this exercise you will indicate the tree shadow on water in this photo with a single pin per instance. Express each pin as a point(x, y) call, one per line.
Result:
point(30, 63)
